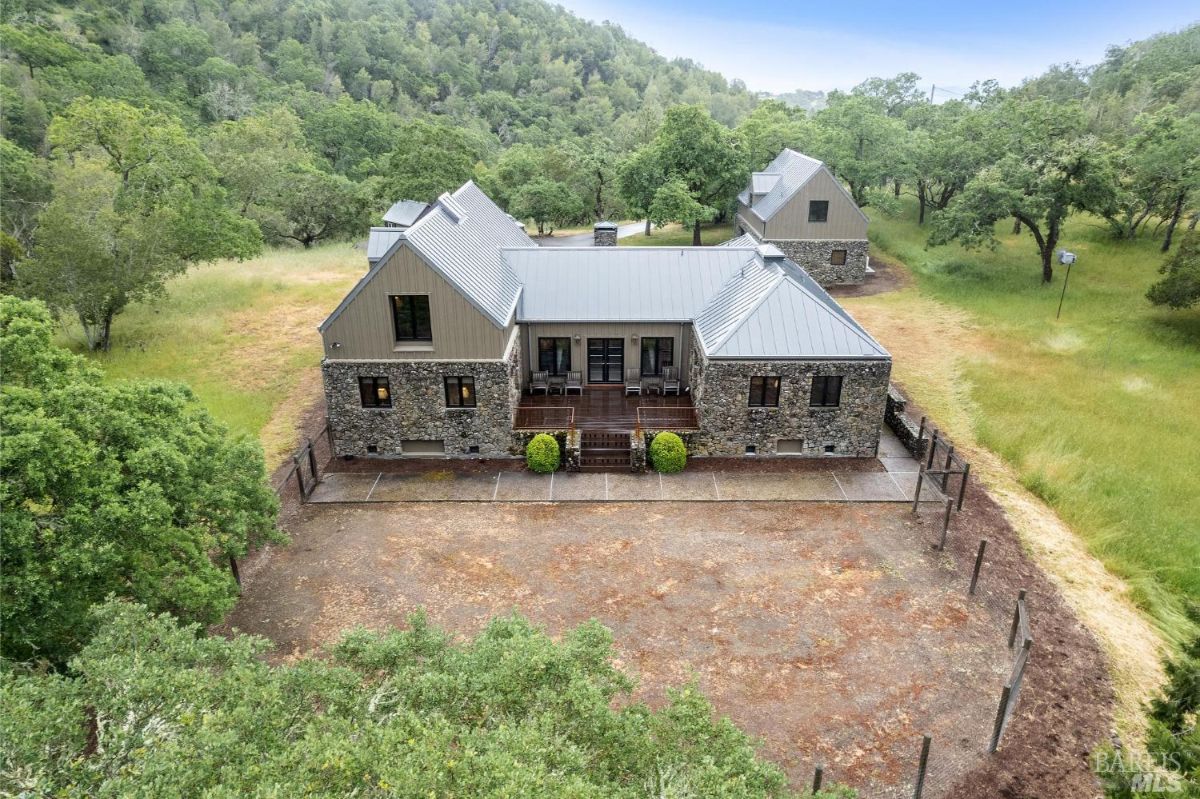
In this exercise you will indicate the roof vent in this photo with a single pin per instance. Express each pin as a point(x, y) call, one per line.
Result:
point(769, 252)
point(452, 208)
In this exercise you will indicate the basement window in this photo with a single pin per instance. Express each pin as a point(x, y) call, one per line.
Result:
point(838, 258)
point(751, 449)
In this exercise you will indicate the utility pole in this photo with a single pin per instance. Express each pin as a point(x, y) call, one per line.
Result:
point(932, 88)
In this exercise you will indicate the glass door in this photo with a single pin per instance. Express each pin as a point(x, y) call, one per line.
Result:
point(606, 359)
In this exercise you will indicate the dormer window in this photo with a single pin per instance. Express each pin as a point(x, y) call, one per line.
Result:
point(818, 210)
point(410, 317)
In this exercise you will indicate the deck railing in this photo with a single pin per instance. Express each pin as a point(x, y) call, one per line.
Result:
point(544, 417)
point(667, 417)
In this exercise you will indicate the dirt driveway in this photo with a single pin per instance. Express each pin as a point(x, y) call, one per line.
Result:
point(830, 630)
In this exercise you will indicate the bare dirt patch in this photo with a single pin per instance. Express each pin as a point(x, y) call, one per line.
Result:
point(889, 276)
point(832, 631)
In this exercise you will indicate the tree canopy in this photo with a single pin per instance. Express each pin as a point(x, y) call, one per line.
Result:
point(112, 488)
point(151, 705)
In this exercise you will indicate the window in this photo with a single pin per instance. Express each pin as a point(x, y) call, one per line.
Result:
point(818, 210)
point(764, 392)
point(460, 392)
point(826, 391)
point(375, 392)
point(410, 316)
point(838, 257)
point(657, 353)
point(554, 355)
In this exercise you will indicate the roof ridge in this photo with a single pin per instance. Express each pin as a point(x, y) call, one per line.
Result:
point(741, 320)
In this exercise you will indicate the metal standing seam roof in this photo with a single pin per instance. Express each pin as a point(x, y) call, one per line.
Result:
point(460, 238)
point(380, 240)
point(744, 240)
point(794, 170)
point(405, 212)
point(621, 284)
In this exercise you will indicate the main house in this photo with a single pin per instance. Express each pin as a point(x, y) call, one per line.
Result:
point(799, 206)
point(464, 338)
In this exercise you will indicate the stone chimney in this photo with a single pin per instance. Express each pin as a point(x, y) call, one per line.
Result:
point(604, 234)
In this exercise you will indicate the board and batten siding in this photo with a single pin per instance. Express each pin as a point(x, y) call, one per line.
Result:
point(750, 220)
point(460, 332)
point(845, 221)
point(681, 332)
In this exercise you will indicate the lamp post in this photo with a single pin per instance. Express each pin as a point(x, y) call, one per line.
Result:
point(1068, 258)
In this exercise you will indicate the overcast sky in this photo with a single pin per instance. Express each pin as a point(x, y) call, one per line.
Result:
point(779, 46)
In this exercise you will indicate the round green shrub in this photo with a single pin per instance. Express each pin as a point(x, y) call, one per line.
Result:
point(541, 455)
point(667, 453)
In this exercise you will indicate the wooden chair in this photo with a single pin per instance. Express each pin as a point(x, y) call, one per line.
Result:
point(539, 380)
point(574, 381)
point(670, 380)
point(633, 382)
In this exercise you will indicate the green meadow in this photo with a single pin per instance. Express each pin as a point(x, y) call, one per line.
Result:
point(673, 235)
point(1098, 411)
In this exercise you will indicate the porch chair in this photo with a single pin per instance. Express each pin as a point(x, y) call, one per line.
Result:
point(670, 380)
point(633, 382)
point(539, 380)
point(574, 381)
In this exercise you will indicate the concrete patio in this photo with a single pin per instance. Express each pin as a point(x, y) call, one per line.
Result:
point(896, 482)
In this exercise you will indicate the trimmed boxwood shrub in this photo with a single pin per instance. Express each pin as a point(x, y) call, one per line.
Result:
point(667, 453)
point(542, 454)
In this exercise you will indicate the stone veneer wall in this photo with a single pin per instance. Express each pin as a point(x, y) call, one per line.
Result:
point(721, 391)
point(814, 255)
point(419, 409)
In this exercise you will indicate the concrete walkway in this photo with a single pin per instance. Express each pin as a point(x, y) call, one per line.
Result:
point(585, 239)
point(895, 483)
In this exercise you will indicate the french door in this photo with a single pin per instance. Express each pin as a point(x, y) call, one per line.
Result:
point(606, 359)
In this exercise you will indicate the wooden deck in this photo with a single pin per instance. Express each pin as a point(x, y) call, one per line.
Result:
point(605, 408)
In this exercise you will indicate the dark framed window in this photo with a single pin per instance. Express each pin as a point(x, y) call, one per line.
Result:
point(554, 355)
point(764, 392)
point(375, 392)
point(460, 392)
point(410, 317)
point(818, 210)
point(838, 257)
point(826, 391)
point(657, 353)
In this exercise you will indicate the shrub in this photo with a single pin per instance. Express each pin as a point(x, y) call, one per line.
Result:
point(541, 455)
point(667, 453)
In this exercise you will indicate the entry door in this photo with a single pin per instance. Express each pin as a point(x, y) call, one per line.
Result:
point(606, 358)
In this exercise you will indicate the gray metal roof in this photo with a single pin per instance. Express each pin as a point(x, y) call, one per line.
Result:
point(620, 284)
point(744, 240)
point(460, 238)
point(763, 182)
point(380, 241)
point(405, 213)
point(794, 170)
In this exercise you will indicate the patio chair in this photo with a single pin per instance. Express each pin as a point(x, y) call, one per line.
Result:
point(574, 381)
point(633, 382)
point(670, 380)
point(539, 380)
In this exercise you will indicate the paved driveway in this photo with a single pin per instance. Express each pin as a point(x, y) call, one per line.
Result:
point(585, 239)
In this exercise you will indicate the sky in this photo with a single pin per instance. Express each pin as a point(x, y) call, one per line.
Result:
point(777, 46)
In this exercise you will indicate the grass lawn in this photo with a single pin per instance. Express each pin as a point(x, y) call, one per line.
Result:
point(674, 235)
point(1095, 411)
point(242, 335)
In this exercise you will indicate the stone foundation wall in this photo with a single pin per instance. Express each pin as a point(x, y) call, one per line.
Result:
point(729, 424)
point(814, 254)
point(419, 409)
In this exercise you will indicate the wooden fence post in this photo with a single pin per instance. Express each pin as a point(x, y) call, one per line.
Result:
point(932, 448)
point(312, 460)
point(962, 487)
point(299, 476)
point(998, 727)
point(978, 563)
point(923, 766)
point(917, 493)
point(329, 437)
point(817, 776)
point(233, 567)
point(945, 525)
point(949, 463)
point(1012, 635)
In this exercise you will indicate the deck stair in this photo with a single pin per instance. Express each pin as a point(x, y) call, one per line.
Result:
point(603, 450)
